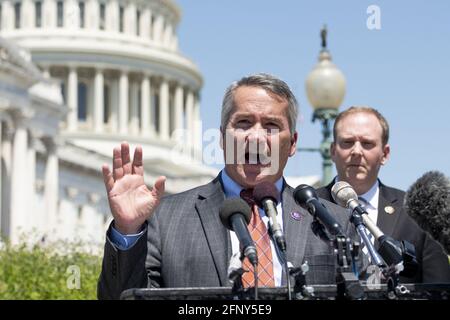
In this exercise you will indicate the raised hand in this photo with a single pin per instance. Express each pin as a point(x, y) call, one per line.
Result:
point(130, 200)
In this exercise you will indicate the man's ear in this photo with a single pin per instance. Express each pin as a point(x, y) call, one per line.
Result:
point(221, 137)
point(294, 139)
point(333, 150)
point(386, 154)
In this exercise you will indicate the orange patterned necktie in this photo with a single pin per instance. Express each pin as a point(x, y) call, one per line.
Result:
point(258, 232)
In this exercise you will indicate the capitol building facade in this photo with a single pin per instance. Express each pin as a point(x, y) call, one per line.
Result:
point(76, 79)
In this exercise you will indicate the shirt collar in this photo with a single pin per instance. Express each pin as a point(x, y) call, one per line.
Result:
point(371, 196)
point(233, 189)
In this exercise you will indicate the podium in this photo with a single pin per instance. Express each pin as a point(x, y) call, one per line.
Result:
point(432, 291)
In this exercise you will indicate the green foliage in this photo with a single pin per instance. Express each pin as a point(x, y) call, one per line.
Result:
point(59, 271)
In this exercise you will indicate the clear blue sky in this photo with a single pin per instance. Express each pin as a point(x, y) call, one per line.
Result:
point(402, 69)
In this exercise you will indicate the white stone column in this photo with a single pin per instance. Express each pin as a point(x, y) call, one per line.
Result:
point(123, 106)
point(92, 219)
point(145, 106)
point(5, 180)
point(197, 129)
point(32, 215)
point(134, 108)
point(179, 94)
point(158, 28)
point(71, 15)
point(49, 14)
point(144, 24)
point(1, 177)
point(90, 103)
point(167, 35)
point(27, 14)
point(130, 19)
point(46, 72)
point(82, 230)
point(112, 16)
point(51, 185)
point(69, 216)
point(189, 117)
point(150, 24)
point(98, 100)
point(114, 101)
point(86, 220)
point(92, 14)
point(174, 44)
point(164, 109)
point(19, 181)
point(7, 15)
point(72, 99)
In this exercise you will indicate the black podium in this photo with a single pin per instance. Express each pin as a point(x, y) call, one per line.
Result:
point(316, 292)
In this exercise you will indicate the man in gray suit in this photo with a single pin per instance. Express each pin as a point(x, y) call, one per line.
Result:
point(179, 240)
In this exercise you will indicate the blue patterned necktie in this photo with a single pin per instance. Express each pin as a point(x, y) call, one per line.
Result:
point(363, 202)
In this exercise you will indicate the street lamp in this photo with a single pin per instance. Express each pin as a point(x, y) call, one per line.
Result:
point(325, 88)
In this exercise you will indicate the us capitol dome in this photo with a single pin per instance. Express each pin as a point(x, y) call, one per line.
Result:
point(76, 79)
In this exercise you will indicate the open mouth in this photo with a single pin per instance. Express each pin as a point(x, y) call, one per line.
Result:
point(256, 159)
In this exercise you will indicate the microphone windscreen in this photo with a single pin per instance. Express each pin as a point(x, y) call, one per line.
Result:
point(303, 193)
point(427, 201)
point(234, 206)
point(265, 190)
point(342, 192)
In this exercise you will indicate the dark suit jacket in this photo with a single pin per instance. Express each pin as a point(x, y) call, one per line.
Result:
point(187, 245)
point(433, 261)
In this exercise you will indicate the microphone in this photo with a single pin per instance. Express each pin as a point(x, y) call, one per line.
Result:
point(344, 195)
point(235, 215)
point(346, 199)
point(392, 251)
point(266, 196)
point(306, 197)
point(427, 201)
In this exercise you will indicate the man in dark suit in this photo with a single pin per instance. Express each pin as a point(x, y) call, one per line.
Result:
point(359, 149)
point(179, 240)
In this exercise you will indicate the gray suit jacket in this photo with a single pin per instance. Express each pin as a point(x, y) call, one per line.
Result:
point(187, 245)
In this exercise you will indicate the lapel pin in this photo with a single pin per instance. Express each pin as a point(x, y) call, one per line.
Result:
point(296, 215)
point(389, 209)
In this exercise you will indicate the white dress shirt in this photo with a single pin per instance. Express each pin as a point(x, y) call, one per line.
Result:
point(371, 198)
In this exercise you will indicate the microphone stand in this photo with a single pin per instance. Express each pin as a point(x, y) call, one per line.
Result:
point(284, 262)
point(398, 255)
point(390, 272)
point(288, 278)
point(401, 257)
point(235, 272)
point(348, 286)
point(356, 219)
point(301, 289)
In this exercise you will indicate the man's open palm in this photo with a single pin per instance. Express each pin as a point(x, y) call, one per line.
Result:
point(130, 200)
